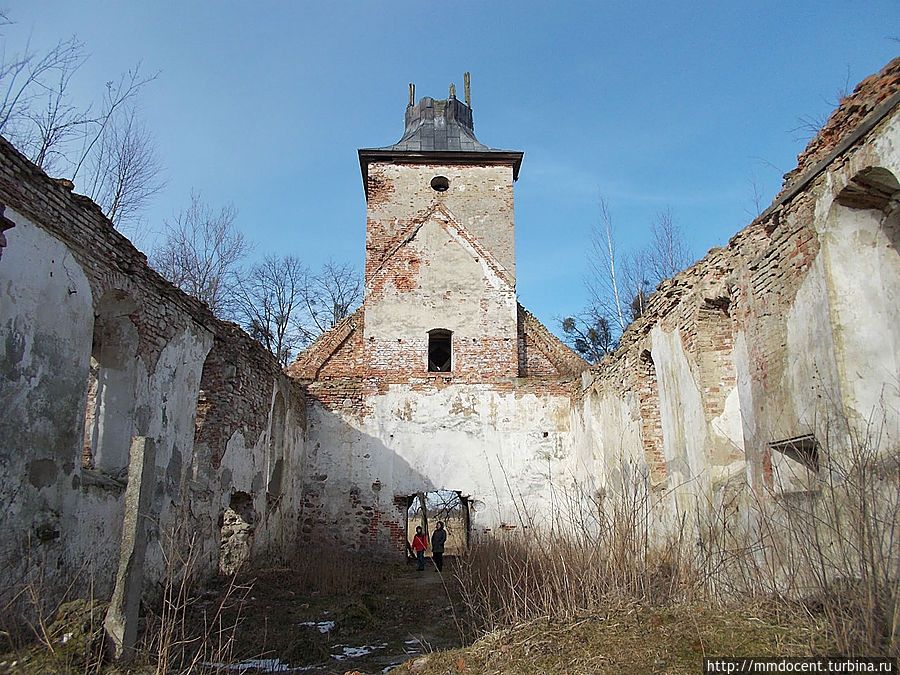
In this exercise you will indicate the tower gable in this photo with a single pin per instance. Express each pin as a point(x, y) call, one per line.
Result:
point(479, 197)
point(440, 277)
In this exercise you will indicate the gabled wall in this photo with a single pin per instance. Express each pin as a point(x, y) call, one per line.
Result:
point(440, 260)
point(480, 197)
point(496, 427)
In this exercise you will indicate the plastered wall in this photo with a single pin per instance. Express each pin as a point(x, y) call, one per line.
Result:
point(788, 331)
point(99, 350)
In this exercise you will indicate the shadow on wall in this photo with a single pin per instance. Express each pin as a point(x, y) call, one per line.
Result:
point(248, 455)
point(356, 491)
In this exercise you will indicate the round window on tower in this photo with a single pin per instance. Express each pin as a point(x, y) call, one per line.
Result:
point(440, 183)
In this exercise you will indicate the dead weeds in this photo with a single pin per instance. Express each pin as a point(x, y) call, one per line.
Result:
point(630, 639)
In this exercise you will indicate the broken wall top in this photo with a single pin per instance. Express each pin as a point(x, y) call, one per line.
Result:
point(872, 92)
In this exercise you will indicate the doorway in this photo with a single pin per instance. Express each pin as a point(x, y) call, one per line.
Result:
point(425, 509)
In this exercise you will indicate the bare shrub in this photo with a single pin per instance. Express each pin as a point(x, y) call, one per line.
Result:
point(190, 628)
point(330, 570)
point(48, 628)
point(595, 556)
point(828, 556)
point(835, 547)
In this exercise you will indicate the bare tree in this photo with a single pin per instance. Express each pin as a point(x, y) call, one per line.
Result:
point(619, 285)
point(270, 299)
point(201, 254)
point(119, 97)
point(603, 279)
point(55, 122)
point(667, 253)
point(755, 197)
point(125, 169)
point(103, 140)
point(330, 295)
point(28, 75)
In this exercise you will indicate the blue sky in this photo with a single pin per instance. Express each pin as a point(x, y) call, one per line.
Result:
point(653, 105)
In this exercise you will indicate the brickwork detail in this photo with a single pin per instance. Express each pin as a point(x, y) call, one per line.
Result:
point(749, 289)
point(651, 421)
point(542, 354)
point(236, 392)
point(851, 112)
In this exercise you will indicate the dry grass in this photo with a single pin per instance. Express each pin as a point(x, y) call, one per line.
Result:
point(835, 547)
point(592, 559)
point(631, 638)
point(603, 588)
point(826, 561)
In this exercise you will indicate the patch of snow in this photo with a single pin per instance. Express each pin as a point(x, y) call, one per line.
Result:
point(356, 652)
point(321, 626)
point(262, 665)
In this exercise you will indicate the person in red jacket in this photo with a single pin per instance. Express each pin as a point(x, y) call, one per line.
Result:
point(419, 544)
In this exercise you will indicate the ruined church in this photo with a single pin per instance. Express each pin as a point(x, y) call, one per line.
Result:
point(134, 419)
point(441, 381)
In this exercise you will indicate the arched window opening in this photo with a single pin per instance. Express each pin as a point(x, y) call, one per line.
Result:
point(440, 352)
point(110, 406)
point(872, 188)
point(276, 447)
point(862, 233)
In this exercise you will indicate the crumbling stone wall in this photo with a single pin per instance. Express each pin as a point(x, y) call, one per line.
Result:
point(99, 350)
point(790, 329)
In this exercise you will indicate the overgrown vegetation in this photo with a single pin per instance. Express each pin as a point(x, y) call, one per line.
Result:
point(260, 619)
point(611, 584)
point(102, 146)
point(824, 561)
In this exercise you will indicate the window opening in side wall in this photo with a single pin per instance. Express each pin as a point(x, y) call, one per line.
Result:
point(803, 449)
point(109, 413)
point(440, 353)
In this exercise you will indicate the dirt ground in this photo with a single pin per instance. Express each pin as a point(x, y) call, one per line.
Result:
point(400, 614)
point(352, 614)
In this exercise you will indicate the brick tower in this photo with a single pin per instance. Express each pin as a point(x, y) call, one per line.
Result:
point(440, 271)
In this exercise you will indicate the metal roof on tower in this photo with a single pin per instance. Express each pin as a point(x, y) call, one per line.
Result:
point(439, 131)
